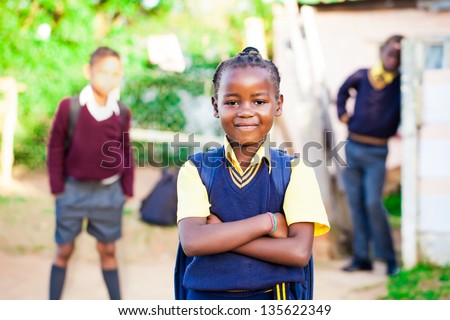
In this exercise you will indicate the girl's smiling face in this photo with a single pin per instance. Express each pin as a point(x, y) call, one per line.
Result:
point(247, 104)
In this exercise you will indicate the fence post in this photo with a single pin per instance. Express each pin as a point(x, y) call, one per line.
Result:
point(9, 90)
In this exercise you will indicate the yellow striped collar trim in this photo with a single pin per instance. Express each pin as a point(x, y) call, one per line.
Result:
point(242, 181)
point(263, 152)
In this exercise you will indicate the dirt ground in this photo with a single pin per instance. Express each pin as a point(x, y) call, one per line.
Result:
point(146, 253)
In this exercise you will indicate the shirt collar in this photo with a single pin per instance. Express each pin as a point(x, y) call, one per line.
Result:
point(87, 98)
point(379, 77)
point(263, 152)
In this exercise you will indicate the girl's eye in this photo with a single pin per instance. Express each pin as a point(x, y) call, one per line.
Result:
point(231, 103)
point(259, 102)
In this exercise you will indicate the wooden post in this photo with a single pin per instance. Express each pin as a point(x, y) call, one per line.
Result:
point(8, 120)
point(412, 62)
point(305, 120)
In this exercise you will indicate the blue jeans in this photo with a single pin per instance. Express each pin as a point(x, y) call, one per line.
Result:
point(363, 182)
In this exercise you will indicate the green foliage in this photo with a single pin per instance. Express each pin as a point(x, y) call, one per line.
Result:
point(6, 200)
point(393, 205)
point(424, 282)
point(51, 68)
point(159, 155)
point(155, 96)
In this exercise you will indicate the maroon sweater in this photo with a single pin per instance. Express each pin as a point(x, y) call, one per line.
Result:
point(97, 150)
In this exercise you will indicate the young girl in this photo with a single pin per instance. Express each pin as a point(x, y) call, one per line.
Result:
point(244, 238)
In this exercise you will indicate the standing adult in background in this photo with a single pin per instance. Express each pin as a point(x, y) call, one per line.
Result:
point(375, 119)
point(90, 166)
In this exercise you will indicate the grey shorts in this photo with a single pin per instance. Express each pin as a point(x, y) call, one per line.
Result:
point(101, 205)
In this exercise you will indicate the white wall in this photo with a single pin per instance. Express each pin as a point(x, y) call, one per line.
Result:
point(433, 221)
point(351, 39)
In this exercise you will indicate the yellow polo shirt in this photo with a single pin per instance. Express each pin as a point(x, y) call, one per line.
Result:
point(302, 201)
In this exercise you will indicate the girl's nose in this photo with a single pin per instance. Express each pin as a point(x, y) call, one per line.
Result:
point(245, 110)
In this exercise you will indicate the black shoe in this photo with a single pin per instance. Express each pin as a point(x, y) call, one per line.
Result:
point(392, 269)
point(358, 266)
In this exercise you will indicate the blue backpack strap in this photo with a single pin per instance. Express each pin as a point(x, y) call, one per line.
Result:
point(280, 164)
point(181, 263)
point(207, 164)
point(281, 174)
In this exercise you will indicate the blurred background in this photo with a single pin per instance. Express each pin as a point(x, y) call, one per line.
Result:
point(170, 50)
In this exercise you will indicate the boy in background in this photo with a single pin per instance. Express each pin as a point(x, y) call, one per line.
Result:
point(90, 166)
point(375, 119)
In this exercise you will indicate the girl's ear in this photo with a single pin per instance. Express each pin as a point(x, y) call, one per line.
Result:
point(215, 106)
point(87, 71)
point(279, 107)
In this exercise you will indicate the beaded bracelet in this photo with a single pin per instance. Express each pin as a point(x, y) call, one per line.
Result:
point(274, 222)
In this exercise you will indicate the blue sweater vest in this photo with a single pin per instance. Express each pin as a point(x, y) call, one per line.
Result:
point(231, 271)
point(377, 112)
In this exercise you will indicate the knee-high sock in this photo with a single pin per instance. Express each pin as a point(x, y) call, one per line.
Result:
point(57, 277)
point(112, 283)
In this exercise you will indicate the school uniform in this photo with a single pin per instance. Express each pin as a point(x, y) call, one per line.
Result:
point(236, 195)
point(375, 119)
point(94, 174)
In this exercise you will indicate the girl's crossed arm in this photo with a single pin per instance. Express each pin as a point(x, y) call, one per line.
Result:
point(291, 246)
point(199, 238)
point(294, 250)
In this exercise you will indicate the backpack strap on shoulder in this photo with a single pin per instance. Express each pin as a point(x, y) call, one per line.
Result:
point(280, 164)
point(207, 164)
point(74, 112)
point(123, 115)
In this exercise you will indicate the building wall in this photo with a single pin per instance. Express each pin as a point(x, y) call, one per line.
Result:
point(433, 172)
point(350, 40)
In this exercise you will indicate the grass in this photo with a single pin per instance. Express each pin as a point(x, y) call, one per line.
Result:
point(6, 200)
point(393, 204)
point(424, 282)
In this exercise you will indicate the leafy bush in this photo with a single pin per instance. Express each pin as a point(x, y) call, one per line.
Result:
point(52, 68)
point(393, 205)
point(424, 282)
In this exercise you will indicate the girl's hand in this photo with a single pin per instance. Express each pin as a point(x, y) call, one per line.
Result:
point(282, 228)
point(212, 218)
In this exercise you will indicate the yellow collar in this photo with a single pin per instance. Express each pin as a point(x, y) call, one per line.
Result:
point(380, 78)
point(263, 152)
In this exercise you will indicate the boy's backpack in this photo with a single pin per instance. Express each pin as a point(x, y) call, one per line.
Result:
point(281, 172)
point(74, 112)
point(160, 206)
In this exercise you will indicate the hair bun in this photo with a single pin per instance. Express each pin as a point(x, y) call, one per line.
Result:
point(250, 50)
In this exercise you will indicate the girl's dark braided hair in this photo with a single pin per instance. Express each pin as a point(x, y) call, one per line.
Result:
point(249, 57)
